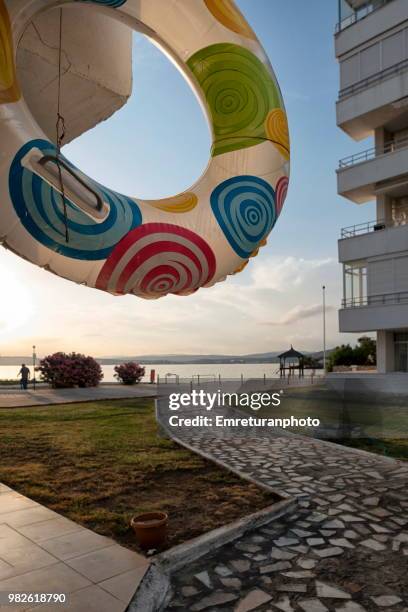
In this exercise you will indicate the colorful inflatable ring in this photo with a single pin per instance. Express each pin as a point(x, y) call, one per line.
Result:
point(151, 248)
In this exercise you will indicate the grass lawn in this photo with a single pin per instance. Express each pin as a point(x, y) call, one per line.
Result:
point(382, 422)
point(100, 463)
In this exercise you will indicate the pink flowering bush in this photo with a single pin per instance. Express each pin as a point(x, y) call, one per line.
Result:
point(66, 370)
point(129, 373)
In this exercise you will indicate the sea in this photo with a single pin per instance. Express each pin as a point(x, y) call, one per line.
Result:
point(208, 371)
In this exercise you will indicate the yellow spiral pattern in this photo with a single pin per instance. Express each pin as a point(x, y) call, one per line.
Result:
point(277, 130)
point(230, 16)
point(182, 203)
point(9, 91)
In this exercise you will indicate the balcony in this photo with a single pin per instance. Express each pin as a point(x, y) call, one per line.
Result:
point(388, 311)
point(372, 239)
point(361, 176)
point(366, 22)
point(374, 101)
point(360, 13)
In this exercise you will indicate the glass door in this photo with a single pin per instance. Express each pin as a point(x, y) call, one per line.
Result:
point(401, 352)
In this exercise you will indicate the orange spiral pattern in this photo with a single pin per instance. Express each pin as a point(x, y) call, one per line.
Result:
point(277, 130)
point(230, 16)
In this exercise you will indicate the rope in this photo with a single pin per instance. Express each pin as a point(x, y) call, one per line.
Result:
point(60, 128)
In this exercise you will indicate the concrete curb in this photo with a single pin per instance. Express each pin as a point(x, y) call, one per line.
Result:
point(155, 589)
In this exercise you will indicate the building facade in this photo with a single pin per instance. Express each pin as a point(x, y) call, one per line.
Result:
point(371, 44)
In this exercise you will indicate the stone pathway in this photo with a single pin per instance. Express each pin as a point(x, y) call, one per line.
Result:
point(43, 552)
point(345, 549)
point(43, 396)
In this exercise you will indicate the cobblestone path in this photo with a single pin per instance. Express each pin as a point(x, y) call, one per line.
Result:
point(345, 549)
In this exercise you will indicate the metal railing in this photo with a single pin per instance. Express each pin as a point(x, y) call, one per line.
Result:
point(360, 14)
point(203, 380)
point(363, 228)
point(385, 299)
point(368, 154)
point(373, 79)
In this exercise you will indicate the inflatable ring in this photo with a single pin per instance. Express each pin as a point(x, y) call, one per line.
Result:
point(152, 248)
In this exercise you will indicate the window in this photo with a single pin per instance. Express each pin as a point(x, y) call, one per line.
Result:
point(399, 210)
point(401, 351)
point(355, 284)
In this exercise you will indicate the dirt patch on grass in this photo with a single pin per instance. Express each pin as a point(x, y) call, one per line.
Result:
point(100, 463)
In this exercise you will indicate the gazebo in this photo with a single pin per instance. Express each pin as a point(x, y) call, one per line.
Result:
point(291, 360)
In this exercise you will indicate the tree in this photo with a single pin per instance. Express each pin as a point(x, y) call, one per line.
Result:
point(129, 373)
point(364, 353)
point(66, 370)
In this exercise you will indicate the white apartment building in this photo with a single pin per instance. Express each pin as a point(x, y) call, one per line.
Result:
point(371, 44)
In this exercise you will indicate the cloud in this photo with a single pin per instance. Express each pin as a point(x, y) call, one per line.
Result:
point(300, 312)
point(283, 273)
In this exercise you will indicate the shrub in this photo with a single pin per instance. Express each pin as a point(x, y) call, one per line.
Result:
point(62, 370)
point(129, 373)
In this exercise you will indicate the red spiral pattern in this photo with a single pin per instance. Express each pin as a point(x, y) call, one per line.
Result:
point(281, 193)
point(155, 259)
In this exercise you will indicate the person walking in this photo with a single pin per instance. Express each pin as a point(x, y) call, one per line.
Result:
point(25, 376)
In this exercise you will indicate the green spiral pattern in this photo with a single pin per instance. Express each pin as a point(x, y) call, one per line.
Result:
point(240, 91)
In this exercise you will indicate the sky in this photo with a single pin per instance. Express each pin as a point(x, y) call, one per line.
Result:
point(158, 145)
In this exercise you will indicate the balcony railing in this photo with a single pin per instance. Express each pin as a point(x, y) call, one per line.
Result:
point(374, 79)
point(363, 228)
point(363, 156)
point(385, 299)
point(360, 14)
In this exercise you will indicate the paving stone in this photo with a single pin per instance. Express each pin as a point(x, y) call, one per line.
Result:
point(283, 541)
point(284, 555)
point(385, 601)
point(251, 548)
point(373, 544)
point(241, 565)
point(351, 518)
point(315, 541)
point(222, 570)
point(300, 549)
point(302, 533)
point(299, 574)
point(371, 501)
point(275, 567)
point(334, 524)
point(293, 588)
point(204, 577)
point(307, 563)
point(284, 604)
point(332, 551)
point(330, 592)
point(253, 600)
point(342, 542)
point(189, 591)
point(218, 598)
point(338, 497)
point(351, 606)
point(350, 534)
point(231, 583)
point(327, 532)
point(312, 605)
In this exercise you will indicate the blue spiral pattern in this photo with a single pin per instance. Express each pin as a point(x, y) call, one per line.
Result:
point(39, 207)
point(112, 3)
point(244, 206)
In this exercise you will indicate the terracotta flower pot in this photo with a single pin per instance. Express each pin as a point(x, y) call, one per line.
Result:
point(150, 529)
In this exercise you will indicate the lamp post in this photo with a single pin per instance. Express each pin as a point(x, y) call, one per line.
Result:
point(324, 327)
point(34, 360)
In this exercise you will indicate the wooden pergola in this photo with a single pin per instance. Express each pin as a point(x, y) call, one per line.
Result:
point(291, 361)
